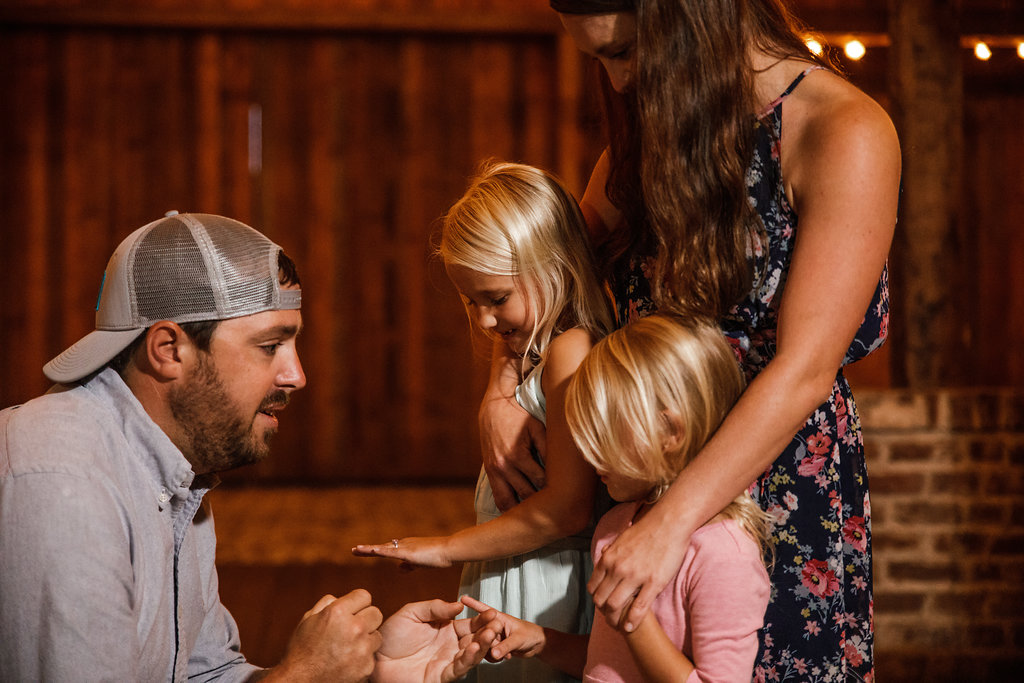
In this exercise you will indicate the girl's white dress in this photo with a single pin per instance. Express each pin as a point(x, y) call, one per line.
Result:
point(546, 586)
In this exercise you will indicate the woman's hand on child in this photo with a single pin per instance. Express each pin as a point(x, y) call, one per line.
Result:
point(414, 551)
point(635, 568)
point(517, 638)
point(507, 433)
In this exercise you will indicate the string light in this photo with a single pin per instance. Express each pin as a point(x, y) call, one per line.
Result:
point(854, 49)
point(855, 46)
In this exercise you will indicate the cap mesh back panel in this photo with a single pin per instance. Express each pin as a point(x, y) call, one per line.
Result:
point(248, 278)
point(170, 278)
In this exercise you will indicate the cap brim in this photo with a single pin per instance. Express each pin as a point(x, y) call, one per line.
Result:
point(89, 354)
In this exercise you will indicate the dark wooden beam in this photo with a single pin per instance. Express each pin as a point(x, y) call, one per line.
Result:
point(283, 19)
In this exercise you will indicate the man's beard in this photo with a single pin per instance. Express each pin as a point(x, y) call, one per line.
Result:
point(218, 436)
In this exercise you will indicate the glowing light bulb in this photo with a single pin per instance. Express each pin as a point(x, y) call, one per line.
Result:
point(854, 49)
point(982, 51)
point(814, 46)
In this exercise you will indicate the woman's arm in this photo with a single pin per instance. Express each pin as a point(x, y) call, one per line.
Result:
point(845, 180)
point(507, 433)
point(600, 214)
point(560, 509)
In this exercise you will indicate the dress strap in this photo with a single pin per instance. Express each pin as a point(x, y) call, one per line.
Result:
point(789, 90)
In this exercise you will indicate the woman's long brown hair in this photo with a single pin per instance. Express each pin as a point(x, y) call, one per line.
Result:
point(681, 142)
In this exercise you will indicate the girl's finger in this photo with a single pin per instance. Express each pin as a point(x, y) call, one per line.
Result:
point(475, 604)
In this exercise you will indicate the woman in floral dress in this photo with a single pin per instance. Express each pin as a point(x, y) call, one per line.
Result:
point(746, 183)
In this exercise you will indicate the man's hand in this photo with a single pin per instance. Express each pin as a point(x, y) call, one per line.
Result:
point(334, 641)
point(507, 433)
point(423, 643)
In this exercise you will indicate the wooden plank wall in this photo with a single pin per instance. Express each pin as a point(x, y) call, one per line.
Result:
point(343, 133)
point(344, 148)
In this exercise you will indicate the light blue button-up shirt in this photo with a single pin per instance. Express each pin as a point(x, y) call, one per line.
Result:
point(106, 547)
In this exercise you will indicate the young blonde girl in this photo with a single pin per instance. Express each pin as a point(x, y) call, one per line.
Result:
point(516, 249)
point(641, 405)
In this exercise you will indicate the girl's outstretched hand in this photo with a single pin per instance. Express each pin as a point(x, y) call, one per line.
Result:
point(517, 638)
point(414, 551)
point(636, 567)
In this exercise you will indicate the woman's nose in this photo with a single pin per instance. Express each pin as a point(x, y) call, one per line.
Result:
point(620, 75)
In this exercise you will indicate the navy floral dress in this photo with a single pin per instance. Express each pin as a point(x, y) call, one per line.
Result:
point(818, 626)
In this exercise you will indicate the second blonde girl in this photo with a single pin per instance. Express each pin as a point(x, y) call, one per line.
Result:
point(641, 406)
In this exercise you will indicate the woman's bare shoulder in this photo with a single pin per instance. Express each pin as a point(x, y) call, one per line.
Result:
point(832, 128)
point(828, 108)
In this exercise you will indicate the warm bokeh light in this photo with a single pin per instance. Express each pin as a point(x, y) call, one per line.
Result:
point(982, 51)
point(1020, 49)
point(814, 46)
point(854, 49)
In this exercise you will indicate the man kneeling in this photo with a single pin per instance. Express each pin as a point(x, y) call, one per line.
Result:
point(106, 545)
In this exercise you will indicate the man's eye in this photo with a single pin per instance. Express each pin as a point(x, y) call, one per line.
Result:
point(270, 349)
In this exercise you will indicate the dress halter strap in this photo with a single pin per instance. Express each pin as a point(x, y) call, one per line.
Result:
point(789, 90)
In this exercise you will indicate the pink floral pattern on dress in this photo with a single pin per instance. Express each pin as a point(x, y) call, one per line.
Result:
point(819, 623)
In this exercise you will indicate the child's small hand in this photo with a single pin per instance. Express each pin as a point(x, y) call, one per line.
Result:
point(424, 551)
point(517, 638)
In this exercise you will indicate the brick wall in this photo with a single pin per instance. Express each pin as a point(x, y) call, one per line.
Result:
point(946, 473)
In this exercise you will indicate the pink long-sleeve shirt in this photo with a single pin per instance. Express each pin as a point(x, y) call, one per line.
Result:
point(711, 611)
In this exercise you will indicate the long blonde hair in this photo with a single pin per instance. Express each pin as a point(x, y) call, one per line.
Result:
point(661, 380)
point(519, 221)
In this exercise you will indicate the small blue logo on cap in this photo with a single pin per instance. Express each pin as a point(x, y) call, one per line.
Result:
point(100, 295)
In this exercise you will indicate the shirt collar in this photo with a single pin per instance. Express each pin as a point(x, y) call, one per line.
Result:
point(172, 474)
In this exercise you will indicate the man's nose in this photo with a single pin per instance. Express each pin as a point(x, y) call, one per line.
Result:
point(292, 374)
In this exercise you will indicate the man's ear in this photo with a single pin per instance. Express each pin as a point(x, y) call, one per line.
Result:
point(166, 350)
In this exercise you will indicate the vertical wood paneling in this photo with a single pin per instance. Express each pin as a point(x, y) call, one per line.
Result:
point(993, 238)
point(491, 80)
point(376, 419)
point(238, 93)
point(452, 385)
point(26, 187)
point(89, 97)
point(209, 113)
point(570, 100)
point(410, 250)
point(367, 139)
point(321, 259)
point(539, 102)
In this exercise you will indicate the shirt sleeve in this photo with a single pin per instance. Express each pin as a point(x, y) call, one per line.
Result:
point(727, 593)
point(65, 595)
